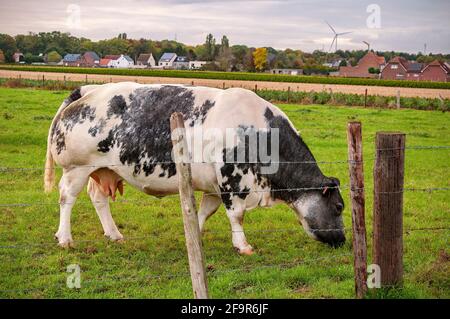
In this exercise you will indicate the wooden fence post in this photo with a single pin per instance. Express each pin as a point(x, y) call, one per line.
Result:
point(357, 195)
point(398, 99)
point(187, 199)
point(365, 98)
point(256, 88)
point(288, 94)
point(388, 176)
point(86, 79)
point(43, 80)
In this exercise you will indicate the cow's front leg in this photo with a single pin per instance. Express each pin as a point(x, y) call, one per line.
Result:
point(101, 204)
point(236, 218)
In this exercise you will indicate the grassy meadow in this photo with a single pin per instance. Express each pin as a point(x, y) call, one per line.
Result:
point(152, 261)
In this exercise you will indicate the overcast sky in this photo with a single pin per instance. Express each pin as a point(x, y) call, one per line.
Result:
point(403, 25)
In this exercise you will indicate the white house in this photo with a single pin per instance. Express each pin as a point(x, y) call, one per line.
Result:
point(167, 59)
point(121, 62)
point(195, 65)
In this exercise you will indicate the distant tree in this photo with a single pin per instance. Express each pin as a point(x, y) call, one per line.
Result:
point(343, 63)
point(30, 58)
point(2, 57)
point(210, 46)
point(260, 59)
point(224, 43)
point(54, 57)
point(8, 46)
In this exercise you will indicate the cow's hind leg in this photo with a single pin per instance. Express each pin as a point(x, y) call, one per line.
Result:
point(101, 204)
point(70, 186)
point(236, 217)
point(208, 206)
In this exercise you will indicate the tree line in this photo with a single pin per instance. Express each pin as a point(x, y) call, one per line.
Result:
point(221, 55)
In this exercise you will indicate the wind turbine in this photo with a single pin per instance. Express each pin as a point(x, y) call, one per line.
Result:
point(368, 45)
point(336, 35)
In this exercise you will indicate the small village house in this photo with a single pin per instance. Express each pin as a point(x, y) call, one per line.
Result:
point(167, 60)
point(361, 70)
point(118, 61)
point(196, 65)
point(287, 71)
point(146, 60)
point(105, 63)
point(398, 68)
point(181, 63)
point(17, 57)
point(90, 59)
point(73, 59)
point(436, 71)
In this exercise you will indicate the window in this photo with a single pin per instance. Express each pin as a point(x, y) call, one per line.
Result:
point(394, 66)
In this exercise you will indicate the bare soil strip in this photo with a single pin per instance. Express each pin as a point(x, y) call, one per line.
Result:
point(280, 86)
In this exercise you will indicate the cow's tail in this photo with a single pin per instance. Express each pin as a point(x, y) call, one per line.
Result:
point(49, 170)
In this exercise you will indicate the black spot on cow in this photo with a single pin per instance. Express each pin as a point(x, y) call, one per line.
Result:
point(74, 96)
point(297, 167)
point(76, 114)
point(143, 135)
point(97, 128)
point(72, 114)
point(117, 106)
point(201, 112)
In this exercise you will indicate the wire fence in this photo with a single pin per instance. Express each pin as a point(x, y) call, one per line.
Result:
point(261, 232)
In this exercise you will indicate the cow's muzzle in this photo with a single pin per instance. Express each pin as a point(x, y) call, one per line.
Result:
point(334, 238)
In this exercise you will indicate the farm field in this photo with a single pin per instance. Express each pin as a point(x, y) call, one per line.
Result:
point(152, 261)
point(233, 79)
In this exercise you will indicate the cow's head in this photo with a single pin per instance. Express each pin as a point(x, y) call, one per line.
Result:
point(320, 212)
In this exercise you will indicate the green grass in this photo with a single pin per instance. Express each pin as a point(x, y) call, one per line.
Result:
point(152, 263)
point(244, 76)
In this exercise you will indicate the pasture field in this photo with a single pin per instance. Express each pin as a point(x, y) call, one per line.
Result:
point(152, 262)
point(244, 76)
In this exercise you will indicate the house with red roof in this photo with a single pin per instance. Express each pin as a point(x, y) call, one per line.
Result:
point(436, 71)
point(398, 68)
point(361, 70)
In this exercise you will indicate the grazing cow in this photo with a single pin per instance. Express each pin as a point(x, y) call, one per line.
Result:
point(103, 135)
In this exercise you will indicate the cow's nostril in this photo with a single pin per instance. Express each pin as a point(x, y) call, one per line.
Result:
point(339, 207)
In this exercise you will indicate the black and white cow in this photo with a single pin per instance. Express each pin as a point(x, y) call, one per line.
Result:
point(103, 135)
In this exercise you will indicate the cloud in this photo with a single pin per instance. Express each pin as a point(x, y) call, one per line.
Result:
point(405, 25)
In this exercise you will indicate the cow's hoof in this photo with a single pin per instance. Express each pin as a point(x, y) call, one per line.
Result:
point(117, 237)
point(64, 241)
point(247, 251)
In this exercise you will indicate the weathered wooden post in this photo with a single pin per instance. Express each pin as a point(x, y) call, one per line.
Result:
point(192, 83)
point(190, 219)
point(398, 99)
point(256, 88)
point(86, 79)
point(388, 176)
point(43, 80)
point(288, 94)
point(357, 195)
point(365, 98)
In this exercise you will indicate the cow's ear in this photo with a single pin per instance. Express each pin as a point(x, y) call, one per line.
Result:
point(335, 182)
point(331, 184)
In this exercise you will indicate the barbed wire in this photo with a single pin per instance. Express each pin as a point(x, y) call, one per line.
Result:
point(265, 232)
point(416, 147)
point(235, 193)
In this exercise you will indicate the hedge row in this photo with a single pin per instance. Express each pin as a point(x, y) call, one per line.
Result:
point(354, 100)
point(278, 96)
point(234, 76)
